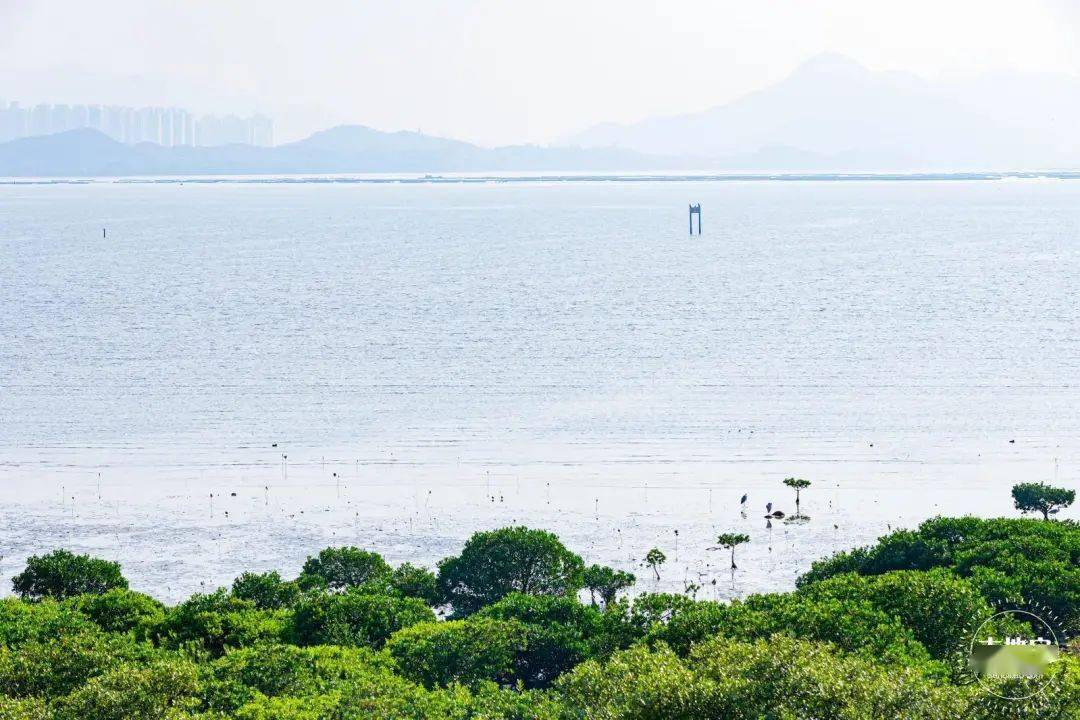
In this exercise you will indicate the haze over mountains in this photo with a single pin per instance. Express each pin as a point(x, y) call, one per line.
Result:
point(834, 114)
point(830, 115)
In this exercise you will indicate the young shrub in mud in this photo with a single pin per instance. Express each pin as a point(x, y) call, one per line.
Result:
point(515, 559)
point(654, 559)
point(355, 617)
point(729, 541)
point(798, 485)
point(62, 574)
point(458, 651)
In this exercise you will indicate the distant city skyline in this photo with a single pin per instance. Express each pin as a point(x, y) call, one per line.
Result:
point(165, 126)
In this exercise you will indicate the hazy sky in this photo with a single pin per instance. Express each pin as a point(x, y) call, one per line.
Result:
point(494, 71)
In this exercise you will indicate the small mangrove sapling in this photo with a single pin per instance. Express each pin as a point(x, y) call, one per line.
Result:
point(798, 484)
point(654, 559)
point(729, 541)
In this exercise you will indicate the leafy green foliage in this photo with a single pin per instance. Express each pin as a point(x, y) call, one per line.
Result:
point(44, 621)
point(494, 564)
point(163, 689)
point(942, 610)
point(1009, 561)
point(730, 541)
point(649, 609)
point(417, 582)
point(246, 675)
point(121, 610)
point(856, 626)
point(343, 567)
point(318, 707)
point(267, 590)
point(62, 574)
point(58, 665)
point(676, 620)
point(463, 651)
point(798, 485)
point(560, 632)
point(606, 582)
point(1043, 498)
point(490, 702)
point(355, 617)
point(23, 709)
point(217, 621)
point(780, 677)
point(380, 693)
point(870, 633)
point(654, 559)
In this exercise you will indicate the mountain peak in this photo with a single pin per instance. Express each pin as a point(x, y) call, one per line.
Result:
point(832, 65)
point(831, 106)
point(342, 149)
point(79, 137)
point(360, 138)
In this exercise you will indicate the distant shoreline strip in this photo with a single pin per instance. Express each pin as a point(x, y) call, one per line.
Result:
point(482, 179)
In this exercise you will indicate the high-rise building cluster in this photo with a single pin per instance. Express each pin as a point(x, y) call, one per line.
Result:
point(164, 126)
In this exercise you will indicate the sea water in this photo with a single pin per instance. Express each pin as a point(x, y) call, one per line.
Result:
point(201, 379)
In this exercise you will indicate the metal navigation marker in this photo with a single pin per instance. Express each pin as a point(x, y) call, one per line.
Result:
point(695, 210)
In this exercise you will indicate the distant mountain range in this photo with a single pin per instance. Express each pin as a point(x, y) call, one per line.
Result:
point(344, 149)
point(832, 114)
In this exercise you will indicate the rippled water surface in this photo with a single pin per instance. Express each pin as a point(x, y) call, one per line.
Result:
point(397, 366)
